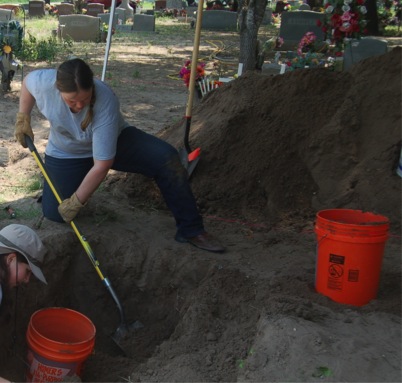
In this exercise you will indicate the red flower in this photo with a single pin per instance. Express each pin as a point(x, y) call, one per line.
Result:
point(185, 72)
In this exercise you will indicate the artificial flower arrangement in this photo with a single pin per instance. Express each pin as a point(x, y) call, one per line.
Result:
point(272, 44)
point(269, 46)
point(309, 53)
point(185, 72)
point(105, 28)
point(8, 45)
point(51, 9)
point(345, 20)
point(276, 19)
point(14, 41)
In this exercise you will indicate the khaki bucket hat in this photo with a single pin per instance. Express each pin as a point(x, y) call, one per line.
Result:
point(24, 240)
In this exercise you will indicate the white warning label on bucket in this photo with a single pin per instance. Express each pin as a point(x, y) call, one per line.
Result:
point(335, 271)
point(42, 373)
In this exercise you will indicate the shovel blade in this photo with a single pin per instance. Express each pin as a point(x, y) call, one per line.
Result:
point(189, 160)
point(123, 332)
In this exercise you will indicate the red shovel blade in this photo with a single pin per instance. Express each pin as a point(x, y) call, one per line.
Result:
point(194, 154)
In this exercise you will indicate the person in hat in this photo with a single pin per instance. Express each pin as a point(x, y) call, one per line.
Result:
point(89, 136)
point(21, 254)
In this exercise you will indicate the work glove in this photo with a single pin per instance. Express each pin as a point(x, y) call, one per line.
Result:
point(70, 207)
point(23, 127)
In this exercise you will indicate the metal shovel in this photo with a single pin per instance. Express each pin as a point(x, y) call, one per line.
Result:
point(123, 329)
point(189, 158)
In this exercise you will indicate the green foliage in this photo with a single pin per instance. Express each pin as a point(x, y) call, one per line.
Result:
point(33, 49)
point(392, 31)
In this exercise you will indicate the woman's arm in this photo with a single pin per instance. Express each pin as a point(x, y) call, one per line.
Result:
point(93, 179)
point(70, 207)
point(27, 101)
point(23, 120)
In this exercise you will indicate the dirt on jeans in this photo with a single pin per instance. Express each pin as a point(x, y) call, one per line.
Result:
point(275, 150)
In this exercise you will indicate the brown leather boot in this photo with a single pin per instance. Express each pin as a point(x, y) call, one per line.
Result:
point(204, 241)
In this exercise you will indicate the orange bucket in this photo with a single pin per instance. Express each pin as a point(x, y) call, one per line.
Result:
point(59, 341)
point(350, 248)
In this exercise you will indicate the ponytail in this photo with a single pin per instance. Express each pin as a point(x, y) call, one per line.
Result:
point(75, 75)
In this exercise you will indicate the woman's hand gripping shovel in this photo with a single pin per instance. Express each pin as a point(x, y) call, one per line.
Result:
point(189, 158)
point(124, 329)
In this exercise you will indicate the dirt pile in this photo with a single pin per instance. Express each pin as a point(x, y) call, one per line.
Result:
point(297, 143)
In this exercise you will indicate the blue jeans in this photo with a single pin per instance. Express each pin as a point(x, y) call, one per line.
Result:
point(137, 152)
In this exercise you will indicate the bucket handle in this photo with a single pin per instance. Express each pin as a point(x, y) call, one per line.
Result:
point(323, 237)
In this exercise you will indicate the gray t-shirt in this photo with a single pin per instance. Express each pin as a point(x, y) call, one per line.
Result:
point(66, 138)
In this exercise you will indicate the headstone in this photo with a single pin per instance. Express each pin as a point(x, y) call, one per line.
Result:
point(65, 9)
point(219, 20)
point(93, 9)
point(6, 15)
point(79, 27)
point(294, 25)
point(304, 7)
point(144, 23)
point(128, 8)
point(267, 19)
point(174, 4)
point(121, 15)
point(36, 8)
point(361, 49)
point(160, 4)
point(12, 7)
point(105, 18)
point(271, 68)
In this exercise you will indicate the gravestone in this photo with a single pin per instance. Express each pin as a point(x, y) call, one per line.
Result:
point(294, 25)
point(6, 15)
point(174, 4)
point(93, 9)
point(36, 8)
point(218, 20)
point(128, 9)
point(144, 23)
point(361, 49)
point(304, 7)
point(267, 19)
point(121, 15)
point(79, 27)
point(13, 7)
point(105, 18)
point(271, 68)
point(160, 4)
point(65, 9)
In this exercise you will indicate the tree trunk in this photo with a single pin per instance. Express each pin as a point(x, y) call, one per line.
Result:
point(251, 13)
point(372, 18)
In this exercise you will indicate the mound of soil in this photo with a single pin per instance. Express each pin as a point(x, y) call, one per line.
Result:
point(298, 143)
